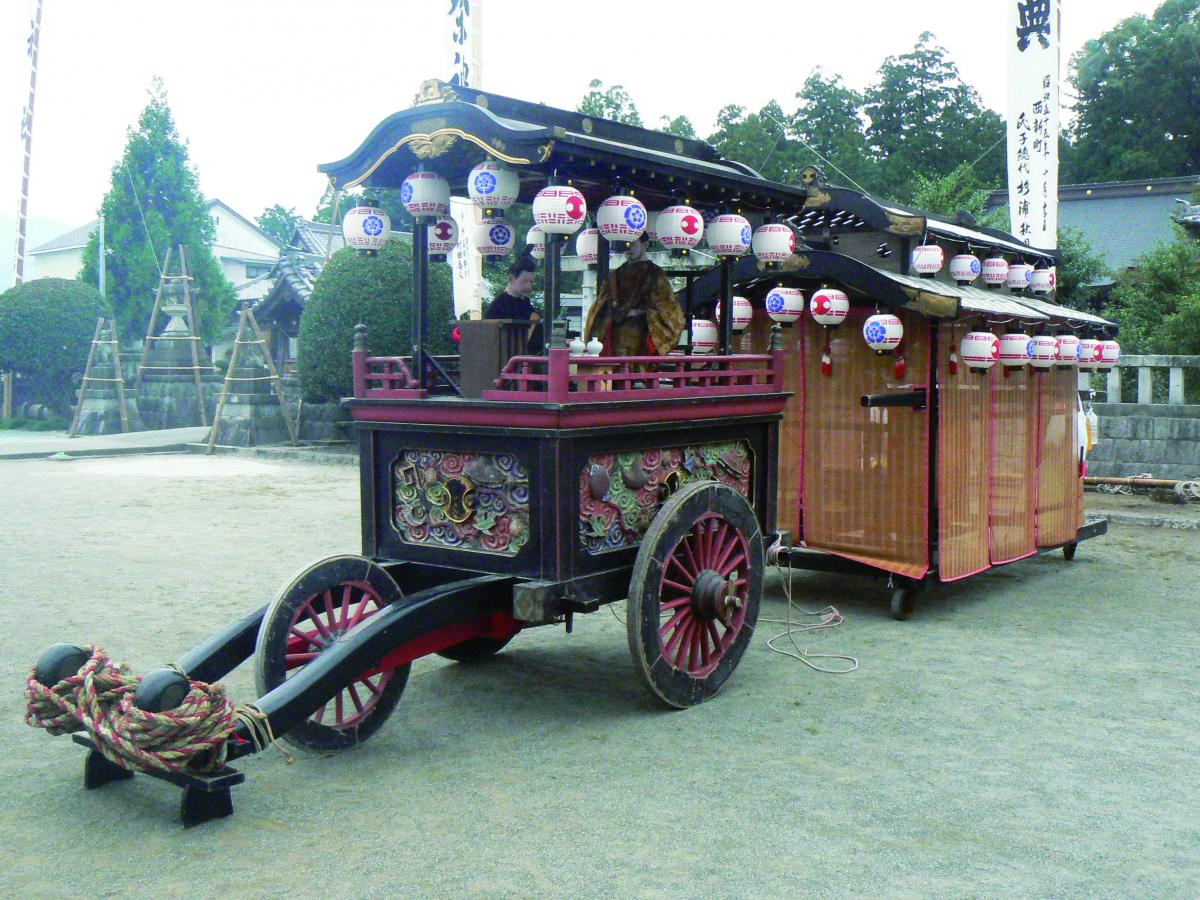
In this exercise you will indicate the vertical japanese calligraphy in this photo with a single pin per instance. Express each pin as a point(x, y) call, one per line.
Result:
point(1033, 55)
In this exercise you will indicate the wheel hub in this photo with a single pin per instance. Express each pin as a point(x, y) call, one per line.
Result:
point(713, 598)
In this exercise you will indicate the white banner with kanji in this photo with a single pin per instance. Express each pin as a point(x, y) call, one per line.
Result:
point(1033, 51)
point(465, 53)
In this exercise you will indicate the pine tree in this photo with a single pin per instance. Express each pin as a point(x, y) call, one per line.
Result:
point(154, 204)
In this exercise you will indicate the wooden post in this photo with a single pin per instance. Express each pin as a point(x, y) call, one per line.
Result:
point(195, 338)
point(116, 344)
point(6, 404)
point(87, 374)
point(153, 319)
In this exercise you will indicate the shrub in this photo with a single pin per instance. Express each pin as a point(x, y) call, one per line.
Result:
point(46, 329)
point(376, 291)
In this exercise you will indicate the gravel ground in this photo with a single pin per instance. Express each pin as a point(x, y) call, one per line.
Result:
point(1031, 731)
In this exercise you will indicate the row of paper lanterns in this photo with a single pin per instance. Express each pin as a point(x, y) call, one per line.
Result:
point(981, 350)
point(928, 259)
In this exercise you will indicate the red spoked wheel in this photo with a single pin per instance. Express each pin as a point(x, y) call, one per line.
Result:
point(308, 617)
point(694, 595)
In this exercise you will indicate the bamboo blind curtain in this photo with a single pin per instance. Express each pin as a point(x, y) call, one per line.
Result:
point(1014, 482)
point(1059, 485)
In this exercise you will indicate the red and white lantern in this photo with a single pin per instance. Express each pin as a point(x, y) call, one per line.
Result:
point(1110, 354)
point(743, 312)
point(784, 304)
point(1043, 280)
point(621, 218)
point(1090, 353)
point(927, 259)
point(1067, 350)
point(493, 186)
point(1045, 351)
point(965, 268)
point(493, 237)
point(729, 235)
point(680, 227)
point(587, 245)
point(1019, 276)
point(883, 332)
point(1016, 349)
point(829, 306)
point(705, 336)
point(773, 243)
point(995, 271)
point(559, 209)
point(366, 228)
point(535, 239)
point(443, 238)
point(425, 194)
point(979, 350)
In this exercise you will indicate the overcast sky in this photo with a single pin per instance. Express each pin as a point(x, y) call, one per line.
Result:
point(264, 90)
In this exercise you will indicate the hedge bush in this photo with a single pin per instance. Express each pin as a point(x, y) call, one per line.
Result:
point(376, 291)
point(46, 329)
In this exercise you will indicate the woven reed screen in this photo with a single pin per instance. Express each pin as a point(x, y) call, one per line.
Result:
point(1014, 463)
point(964, 460)
point(865, 471)
point(1059, 486)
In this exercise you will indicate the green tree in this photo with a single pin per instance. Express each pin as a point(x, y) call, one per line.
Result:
point(389, 202)
point(278, 222)
point(154, 203)
point(680, 126)
point(759, 140)
point(612, 103)
point(830, 127)
point(1157, 301)
point(1138, 112)
point(1080, 270)
point(957, 191)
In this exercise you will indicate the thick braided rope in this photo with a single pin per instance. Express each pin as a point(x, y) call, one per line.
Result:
point(57, 708)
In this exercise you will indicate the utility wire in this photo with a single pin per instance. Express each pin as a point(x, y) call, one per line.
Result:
point(142, 216)
point(813, 150)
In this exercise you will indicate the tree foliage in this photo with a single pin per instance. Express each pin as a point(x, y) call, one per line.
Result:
point(1080, 269)
point(760, 140)
point(1157, 301)
point(154, 203)
point(611, 103)
point(278, 222)
point(829, 125)
point(680, 126)
point(389, 202)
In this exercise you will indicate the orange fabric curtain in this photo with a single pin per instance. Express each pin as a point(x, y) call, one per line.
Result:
point(1014, 463)
point(1058, 458)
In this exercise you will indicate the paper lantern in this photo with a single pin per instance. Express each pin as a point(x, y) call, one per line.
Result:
point(705, 337)
point(729, 235)
point(493, 237)
point(979, 350)
point(1090, 353)
point(1015, 349)
point(743, 312)
point(1067, 350)
point(829, 306)
point(1045, 351)
point(535, 239)
point(773, 243)
point(784, 304)
point(1042, 281)
point(965, 268)
point(680, 227)
point(559, 209)
point(883, 332)
point(621, 218)
point(442, 238)
point(1019, 276)
point(493, 186)
point(995, 271)
point(425, 194)
point(366, 228)
point(1110, 353)
point(587, 245)
point(927, 259)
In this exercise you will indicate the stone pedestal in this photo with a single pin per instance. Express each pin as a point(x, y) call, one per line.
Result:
point(100, 412)
point(167, 396)
point(251, 416)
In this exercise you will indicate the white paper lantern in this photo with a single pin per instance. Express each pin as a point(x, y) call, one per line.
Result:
point(965, 268)
point(784, 304)
point(535, 239)
point(743, 312)
point(559, 209)
point(493, 237)
point(729, 235)
point(829, 306)
point(927, 259)
point(1016, 349)
point(587, 245)
point(979, 350)
point(705, 336)
point(621, 218)
point(1067, 350)
point(773, 243)
point(493, 186)
point(1043, 280)
point(680, 227)
point(995, 271)
point(1045, 351)
point(1110, 353)
point(425, 194)
point(442, 238)
point(1090, 353)
point(1019, 276)
point(883, 332)
point(366, 228)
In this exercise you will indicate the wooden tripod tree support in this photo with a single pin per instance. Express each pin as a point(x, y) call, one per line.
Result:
point(248, 317)
point(193, 337)
point(103, 324)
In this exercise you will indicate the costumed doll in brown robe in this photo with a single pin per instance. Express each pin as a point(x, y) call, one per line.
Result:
point(635, 313)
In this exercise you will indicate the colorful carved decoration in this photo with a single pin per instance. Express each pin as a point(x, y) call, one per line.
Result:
point(471, 501)
point(634, 486)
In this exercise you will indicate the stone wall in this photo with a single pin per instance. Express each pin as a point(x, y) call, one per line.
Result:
point(1161, 439)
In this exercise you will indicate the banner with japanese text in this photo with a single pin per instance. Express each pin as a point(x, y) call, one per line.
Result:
point(1033, 112)
point(463, 21)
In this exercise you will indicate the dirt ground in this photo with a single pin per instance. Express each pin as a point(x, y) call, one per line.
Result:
point(1030, 732)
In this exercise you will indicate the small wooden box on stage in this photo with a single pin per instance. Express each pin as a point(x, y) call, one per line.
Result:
point(485, 348)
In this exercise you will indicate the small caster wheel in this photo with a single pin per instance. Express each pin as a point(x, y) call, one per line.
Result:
point(904, 601)
point(58, 662)
point(161, 690)
point(1069, 551)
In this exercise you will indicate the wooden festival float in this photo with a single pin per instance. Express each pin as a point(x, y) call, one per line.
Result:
point(856, 411)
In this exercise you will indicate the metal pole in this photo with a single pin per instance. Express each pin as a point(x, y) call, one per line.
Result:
point(726, 304)
point(553, 259)
point(419, 297)
point(27, 134)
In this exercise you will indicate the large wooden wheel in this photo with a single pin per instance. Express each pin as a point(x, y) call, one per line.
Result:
point(310, 614)
point(693, 598)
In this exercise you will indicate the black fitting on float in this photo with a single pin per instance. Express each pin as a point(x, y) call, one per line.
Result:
point(161, 690)
point(60, 661)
